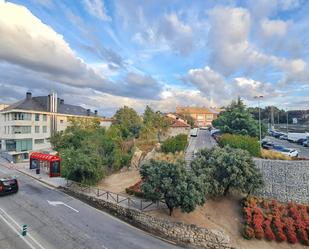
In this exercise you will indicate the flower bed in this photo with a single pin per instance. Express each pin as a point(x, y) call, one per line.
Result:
point(135, 189)
point(271, 220)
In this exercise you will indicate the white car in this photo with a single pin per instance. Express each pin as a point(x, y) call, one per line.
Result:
point(286, 151)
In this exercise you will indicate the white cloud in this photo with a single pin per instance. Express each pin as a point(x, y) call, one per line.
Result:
point(97, 9)
point(274, 27)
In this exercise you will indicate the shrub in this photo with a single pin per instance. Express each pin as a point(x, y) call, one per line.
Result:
point(268, 232)
point(173, 144)
point(251, 144)
point(257, 223)
point(290, 230)
point(273, 155)
point(135, 189)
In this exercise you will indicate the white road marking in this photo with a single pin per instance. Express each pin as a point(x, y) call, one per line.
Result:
point(55, 203)
point(19, 234)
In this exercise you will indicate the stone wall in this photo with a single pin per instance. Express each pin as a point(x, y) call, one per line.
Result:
point(285, 180)
point(183, 234)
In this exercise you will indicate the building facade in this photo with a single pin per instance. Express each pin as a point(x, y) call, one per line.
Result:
point(27, 125)
point(203, 116)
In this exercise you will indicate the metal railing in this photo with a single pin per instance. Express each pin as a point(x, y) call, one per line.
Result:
point(119, 199)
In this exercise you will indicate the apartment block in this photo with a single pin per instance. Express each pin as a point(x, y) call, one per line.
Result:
point(27, 125)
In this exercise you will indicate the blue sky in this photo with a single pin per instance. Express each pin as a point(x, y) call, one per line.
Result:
point(104, 54)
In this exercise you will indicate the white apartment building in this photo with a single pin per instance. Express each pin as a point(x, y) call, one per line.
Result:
point(27, 125)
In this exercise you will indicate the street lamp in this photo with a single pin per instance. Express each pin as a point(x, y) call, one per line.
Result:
point(260, 127)
point(287, 122)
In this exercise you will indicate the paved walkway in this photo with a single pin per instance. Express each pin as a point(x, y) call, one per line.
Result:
point(42, 177)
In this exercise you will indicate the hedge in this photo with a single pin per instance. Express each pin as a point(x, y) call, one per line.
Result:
point(251, 144)
point(173, 144)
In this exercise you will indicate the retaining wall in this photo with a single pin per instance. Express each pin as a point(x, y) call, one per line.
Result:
point(285, 180)
point(184, 234)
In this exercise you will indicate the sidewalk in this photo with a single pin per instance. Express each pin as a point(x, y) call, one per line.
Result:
point(54, 182)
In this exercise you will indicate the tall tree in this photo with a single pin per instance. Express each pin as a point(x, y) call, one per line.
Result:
point(236, 119)
point(173, 183)
point(128, 121)
point(223, 169)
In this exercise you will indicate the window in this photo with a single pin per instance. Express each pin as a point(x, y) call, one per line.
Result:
point(23, 145)
point(37, 117)
point(44, 117)
point(61, 121)
point(44, 129)
point(37, 129)
point(10, 145)
point(209, 117)
point(21, 116)
point(200, 117)
point(38, 141)
point(21, 129)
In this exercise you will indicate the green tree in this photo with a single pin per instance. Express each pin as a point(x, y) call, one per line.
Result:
point(236, 119)
point(173, 144)
point(173, 183)
point(223, 169)
point(128, 121)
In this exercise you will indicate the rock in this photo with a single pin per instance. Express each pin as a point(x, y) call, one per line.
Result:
point(136, 159)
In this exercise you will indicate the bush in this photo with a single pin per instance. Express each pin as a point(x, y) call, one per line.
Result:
point(173, 144)
point(251, 144)
point(135, 189)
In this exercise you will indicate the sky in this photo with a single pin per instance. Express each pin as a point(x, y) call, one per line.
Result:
point(104, 54)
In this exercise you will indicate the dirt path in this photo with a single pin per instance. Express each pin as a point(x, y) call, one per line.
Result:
point(118, 182)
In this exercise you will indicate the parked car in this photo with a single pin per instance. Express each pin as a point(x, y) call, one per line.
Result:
point(267, 145)
point(193, 132)
point(286, 151)
point(293, 137)
point(283, 137)
point(306, 143)
point(301, 141)
point(277, 134)
point(8, 184)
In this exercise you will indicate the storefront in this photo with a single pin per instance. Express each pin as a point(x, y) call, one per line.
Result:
point(48, 164)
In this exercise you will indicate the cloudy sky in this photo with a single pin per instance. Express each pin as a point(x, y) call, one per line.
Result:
point(103, 54)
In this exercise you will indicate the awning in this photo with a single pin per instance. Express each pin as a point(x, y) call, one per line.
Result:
point(44, 157)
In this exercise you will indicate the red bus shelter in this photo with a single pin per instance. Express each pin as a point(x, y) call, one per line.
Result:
point(51, 162)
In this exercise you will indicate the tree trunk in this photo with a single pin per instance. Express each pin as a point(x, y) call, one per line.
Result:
point(171, 210)
point(226, 190)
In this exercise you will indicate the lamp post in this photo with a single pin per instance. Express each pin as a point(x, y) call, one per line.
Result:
point(287, 122)
point(260, 127)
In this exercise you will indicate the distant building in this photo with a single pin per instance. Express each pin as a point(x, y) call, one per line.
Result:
point(177, 126)
point(27, 125)
point(203, 116)
point(2, 106)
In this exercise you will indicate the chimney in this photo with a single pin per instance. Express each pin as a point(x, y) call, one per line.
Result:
point(96, 112)
point(88, 112)
point(28, 95)
point(61, 101)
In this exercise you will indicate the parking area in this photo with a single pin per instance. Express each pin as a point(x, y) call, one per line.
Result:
point(303, 151)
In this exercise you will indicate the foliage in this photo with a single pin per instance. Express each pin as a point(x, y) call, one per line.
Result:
point(170, 157)
point(87, 148)
point(270, 154)
point(236, 119)
point(251, 144)
point(275, 221)
point(171, 181)
point(226, 168)
point(128, 121)
point(135, 189)
point(173, 144)
point(82, 166)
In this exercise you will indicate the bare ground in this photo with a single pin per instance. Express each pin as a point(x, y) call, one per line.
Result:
point(118, 182)
point(223, 215)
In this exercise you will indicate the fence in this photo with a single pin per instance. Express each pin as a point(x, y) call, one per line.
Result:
point(122, 200)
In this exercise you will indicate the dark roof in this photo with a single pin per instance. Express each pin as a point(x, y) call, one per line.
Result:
point(40, 103)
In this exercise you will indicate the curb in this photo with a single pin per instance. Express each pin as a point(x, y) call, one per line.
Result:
point(38, 179)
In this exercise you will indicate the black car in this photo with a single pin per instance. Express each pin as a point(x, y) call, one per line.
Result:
point(301, 141)
point(8, 185)
point(267, 145)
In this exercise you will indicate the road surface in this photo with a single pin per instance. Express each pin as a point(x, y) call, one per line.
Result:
point(201, 141)
point(56, 220)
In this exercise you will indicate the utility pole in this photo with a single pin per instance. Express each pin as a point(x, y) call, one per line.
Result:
point(260, 127)
point(287, 122)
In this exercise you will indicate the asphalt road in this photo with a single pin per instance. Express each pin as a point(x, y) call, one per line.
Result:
point(201, 141)
point(71, 224)
point(303, 151)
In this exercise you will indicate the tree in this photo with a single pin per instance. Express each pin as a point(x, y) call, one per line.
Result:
point(128, 121)
point(236, 119)
point(190, 120)
point(223, 169)
point(172, 182)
